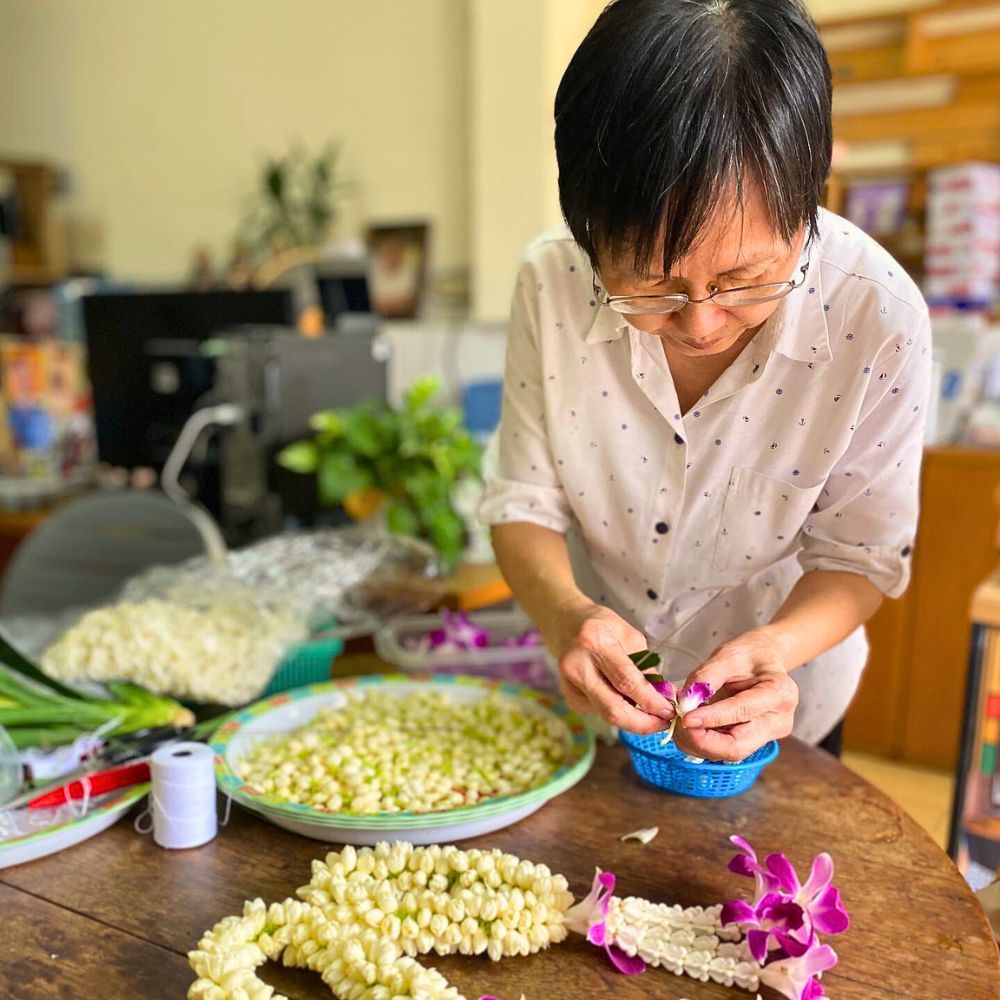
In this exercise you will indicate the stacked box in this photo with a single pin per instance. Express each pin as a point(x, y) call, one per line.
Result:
point(962, 256)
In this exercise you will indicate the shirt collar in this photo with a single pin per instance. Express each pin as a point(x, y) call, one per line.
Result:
point(801, 332)
point(800, 328)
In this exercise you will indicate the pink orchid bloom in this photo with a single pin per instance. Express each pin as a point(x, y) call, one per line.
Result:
point(819, 900)
point(795, 978)
point(457, 632)
point(774, 917)
point(589, 917)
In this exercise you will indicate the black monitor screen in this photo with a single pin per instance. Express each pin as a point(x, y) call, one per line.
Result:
point(145, 369)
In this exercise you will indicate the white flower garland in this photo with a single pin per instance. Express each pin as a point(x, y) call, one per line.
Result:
point(366, 914)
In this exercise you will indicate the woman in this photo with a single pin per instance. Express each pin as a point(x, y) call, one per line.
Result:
point(715, 389)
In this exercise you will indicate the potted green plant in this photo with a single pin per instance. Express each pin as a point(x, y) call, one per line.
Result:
point(403, 463)
point(295, 204)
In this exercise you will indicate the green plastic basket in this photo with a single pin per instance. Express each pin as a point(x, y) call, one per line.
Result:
point(306, 663)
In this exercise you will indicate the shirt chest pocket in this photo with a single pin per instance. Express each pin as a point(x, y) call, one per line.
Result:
point(761, 521)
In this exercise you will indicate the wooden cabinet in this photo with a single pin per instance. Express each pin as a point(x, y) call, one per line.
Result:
point(911, 697)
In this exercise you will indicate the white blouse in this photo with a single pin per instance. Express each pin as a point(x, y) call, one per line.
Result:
point(804, 455)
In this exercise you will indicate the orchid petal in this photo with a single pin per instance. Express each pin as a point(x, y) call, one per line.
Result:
point(737, 911)
point(757, 943)
point(744, 846)
point(819, 959)
point(627, 965)
point(692, 696)
point(597, 934)
point(665, 688)
point(791, 944)
point(820, 876)
point(793, 977)
point(643, 836)
point(828, 914)
point(581, 916)
point(781, 868)
point(813, 990)
point(742, 865)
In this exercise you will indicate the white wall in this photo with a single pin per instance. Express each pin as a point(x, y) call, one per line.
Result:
point(517, 54)
point(163, 110)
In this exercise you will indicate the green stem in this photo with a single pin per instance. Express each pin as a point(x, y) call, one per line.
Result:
point(21, 665)
point(32, 736)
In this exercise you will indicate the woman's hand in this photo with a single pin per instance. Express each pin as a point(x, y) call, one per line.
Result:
point(755, 700)
point(595, 671)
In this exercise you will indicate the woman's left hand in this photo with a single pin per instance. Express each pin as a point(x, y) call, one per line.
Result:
point(755, 700)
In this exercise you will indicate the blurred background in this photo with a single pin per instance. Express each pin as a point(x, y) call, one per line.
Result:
point(241, 214)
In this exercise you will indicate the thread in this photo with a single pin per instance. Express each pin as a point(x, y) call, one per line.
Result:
point(182, 795)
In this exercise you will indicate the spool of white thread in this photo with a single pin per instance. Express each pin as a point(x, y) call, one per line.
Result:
point(182, 796)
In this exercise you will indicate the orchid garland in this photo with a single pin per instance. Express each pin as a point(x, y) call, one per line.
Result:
point(772, 941)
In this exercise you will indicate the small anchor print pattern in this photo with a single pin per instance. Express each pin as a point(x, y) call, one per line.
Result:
point(803, 455)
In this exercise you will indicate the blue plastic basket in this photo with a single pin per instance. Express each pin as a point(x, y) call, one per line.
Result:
point(664, 767)
point(306, 663)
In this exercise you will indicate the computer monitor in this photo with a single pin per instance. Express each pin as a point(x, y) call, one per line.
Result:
point(146, 369)
point(342, 287)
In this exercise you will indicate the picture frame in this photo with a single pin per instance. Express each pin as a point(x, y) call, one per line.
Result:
point(397, 268)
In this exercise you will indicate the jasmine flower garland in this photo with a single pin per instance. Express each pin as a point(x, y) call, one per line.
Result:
point(367, 914)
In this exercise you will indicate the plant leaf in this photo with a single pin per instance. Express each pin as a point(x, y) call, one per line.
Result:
point(401, 519)
point(645, 659)
point(339, 476)
point(303, 457)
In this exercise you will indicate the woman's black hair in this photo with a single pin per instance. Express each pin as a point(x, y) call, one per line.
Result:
point(669, 104)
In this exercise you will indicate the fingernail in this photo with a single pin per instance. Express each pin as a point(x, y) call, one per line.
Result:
point(692, 720)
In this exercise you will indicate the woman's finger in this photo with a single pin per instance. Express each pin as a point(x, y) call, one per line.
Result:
point(735, 744)
point(613, 707)
point(624, 676)
point(574, 697)
point(761, 699)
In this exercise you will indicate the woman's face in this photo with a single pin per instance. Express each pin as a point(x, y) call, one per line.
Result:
point(737, 248)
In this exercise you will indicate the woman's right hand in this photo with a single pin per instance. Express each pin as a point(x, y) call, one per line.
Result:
point(597, 676)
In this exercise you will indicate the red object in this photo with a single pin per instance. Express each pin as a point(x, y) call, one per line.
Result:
point(93, 784)
point(993, 706)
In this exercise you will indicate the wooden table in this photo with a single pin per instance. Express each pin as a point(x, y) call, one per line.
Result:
point(112, 918)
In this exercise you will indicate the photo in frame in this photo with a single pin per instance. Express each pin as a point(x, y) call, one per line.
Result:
point(397, 268)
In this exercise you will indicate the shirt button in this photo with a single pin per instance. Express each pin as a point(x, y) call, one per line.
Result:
point(651, 594)
point(662, 528)
point(678, 439)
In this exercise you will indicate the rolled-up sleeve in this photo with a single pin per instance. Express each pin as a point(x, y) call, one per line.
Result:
point(521, 482)
point(865, 519)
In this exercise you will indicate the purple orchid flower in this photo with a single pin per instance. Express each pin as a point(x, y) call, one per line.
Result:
point(457, 632)
point(797, 978)
point(589, 917)
point(818, 898)
point(774, 917)
point(532, 638)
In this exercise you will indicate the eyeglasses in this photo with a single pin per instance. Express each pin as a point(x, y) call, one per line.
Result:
point(729, 298)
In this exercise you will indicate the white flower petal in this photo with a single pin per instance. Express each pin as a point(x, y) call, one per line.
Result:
point(644, 836)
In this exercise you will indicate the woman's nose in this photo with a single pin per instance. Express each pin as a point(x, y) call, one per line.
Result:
point(700, 321)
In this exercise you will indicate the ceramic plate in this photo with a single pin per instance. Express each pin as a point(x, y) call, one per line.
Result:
point(292, 709)
point(57, 838)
